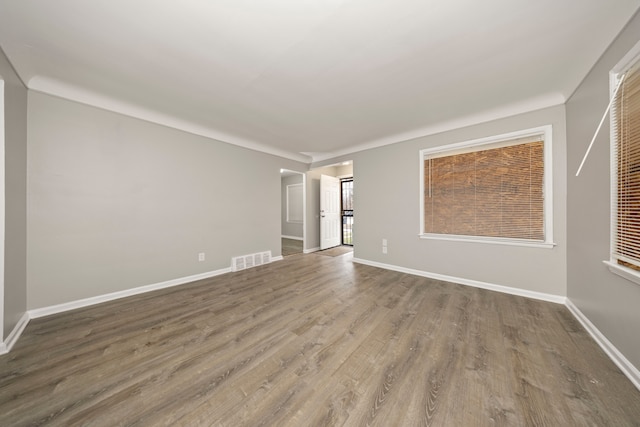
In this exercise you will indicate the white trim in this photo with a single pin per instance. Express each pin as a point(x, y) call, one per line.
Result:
point(70, 92)
point(527, 106)
point(548, 184)
point(304, 206)
point(627, 368)
point(624, 272)
point(625, 63)
point(60, 308)
point(8, 344)
point(292, 237)
point(311, 250)
point(614, 354)
point(277, 258)
point(558, 299)
point(487, 143)
point(2, 210)
point(613, 187)
point(546, 132)
point(421, 194)
point(57, 88)
point(490, 240)
point(304, 210)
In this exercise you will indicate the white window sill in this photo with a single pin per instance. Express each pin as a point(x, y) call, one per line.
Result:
point(624, 272)
point(489, 240)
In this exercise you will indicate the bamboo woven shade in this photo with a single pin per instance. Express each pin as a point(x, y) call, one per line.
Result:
point(495, 192)
point(625, 118)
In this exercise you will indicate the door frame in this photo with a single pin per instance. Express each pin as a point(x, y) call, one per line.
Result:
point(331, 209)
point(3, 347)
point(283, 174)
point(342, 211)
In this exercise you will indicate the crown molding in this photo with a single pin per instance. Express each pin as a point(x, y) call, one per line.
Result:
point(74, 93)
point(70, 92)
point(533, 104)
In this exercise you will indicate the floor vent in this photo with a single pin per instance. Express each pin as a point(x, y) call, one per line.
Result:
point(247, 261)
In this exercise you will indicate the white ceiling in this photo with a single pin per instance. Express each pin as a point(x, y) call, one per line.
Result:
point(321, 77)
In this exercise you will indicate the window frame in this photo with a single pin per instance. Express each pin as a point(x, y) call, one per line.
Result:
point(546, 132)
point(347, 219)
point(627, 62)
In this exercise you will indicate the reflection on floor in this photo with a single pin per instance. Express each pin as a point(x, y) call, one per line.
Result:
point(291, 246)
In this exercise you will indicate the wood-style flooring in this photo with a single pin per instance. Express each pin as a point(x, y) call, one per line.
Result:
point(291, 246)
point(336, 251)
point(314, 341)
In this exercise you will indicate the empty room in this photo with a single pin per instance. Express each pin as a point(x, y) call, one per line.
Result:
point(319, 213)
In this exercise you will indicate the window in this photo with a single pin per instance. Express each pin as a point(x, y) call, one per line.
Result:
point(347, 210)
point(494, 189)
point(625, 137)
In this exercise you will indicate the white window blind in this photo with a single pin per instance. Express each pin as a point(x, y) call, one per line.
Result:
point(625, 121)
point(494, 189)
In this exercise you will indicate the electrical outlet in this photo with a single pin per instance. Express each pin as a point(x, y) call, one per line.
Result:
point(384, 249)
point(201, 256)
point(384, 242)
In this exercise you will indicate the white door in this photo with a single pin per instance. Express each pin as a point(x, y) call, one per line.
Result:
point(329, 212)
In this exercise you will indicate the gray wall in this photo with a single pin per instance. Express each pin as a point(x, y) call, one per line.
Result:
point(611, 303)
point(387, 205)
point(15, 139)
point(290, 229)
point(116, 202)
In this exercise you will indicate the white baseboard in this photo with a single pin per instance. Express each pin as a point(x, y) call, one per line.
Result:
point(7, 345)
point(475, 283)
point(308, 251)
point(292, 237)
point(614, 354)
point(59, 308)
point(629, 370)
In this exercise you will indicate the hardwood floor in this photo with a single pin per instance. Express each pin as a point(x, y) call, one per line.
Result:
point(336, 251)
point(291, 246)
point(314, 341)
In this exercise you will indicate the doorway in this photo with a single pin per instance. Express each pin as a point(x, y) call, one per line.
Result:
point(346, 210)
point(317, 238)
point(336, 211)
point(330, 227)
point(293, 210)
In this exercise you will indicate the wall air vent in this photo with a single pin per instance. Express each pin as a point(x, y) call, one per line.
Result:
point(247, 261)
